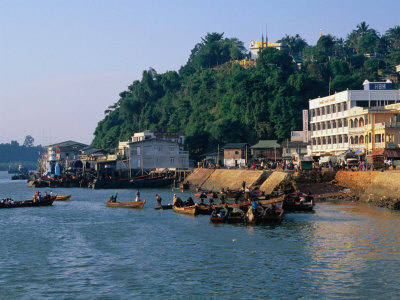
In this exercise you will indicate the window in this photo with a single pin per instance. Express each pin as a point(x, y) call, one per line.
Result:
point(323, 125)
point(346, 139)
point(327, 110)
point(345, 123)
point(329, 125)
point(377, 138)
point(334, 139)
point(333, 124)
point(339, 107)
point(237, 152)
point(138, 150)
point(322, 110)
point(319, 126)
point(329, 140)
point(333, 108)
point(172, 160)
point(340, 139)
point(344, 106)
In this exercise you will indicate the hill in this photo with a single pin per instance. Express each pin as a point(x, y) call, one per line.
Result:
point(215, 101)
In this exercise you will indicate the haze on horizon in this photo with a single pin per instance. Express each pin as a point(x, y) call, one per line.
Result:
point(62, 63)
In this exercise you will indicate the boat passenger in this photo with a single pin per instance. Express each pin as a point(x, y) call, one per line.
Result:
point(159, 199)
point(254, 204)
point(115, 197)
point(189, 202)
point(137, 196)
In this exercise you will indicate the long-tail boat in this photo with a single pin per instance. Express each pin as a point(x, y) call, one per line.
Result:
point(134, 204)
point(9, 203)
point(189, 210)
point(168, 206)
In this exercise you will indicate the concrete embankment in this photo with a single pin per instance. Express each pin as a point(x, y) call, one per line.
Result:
point(379, 188)
point(215, 180)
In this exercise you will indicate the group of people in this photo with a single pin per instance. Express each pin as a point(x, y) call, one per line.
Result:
point(113, 198)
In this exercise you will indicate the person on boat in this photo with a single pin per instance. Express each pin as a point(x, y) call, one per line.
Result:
point(189, 202)
point(40, 197)
point(254, 204)
point(159, 199)
point(137, 196)
point(177, 201)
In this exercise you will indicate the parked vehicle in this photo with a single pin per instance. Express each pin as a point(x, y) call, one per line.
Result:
point(376, 161)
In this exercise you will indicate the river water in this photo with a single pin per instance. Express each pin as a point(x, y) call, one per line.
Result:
point(82, 249)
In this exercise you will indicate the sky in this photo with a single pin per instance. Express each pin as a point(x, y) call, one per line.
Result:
point(62, 63)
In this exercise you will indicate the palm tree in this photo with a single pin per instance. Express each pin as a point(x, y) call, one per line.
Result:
point(393, 35)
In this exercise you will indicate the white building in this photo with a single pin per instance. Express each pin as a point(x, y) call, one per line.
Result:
point(146, 151)
point(329, 115)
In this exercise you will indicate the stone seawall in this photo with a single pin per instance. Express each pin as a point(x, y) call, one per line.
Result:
point(209, 179)
point(379, 188)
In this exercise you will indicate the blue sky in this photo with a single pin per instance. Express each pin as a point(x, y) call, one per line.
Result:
point(62, 63)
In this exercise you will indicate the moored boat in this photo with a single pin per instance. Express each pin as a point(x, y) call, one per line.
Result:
point(9, 203)
point(63, 197)
point(272, 215)
point(189, 210)
point(236, 215)
point(134, 204)
point(218, 215)
point(298, 201)
point(205, 209)
point(168, 206)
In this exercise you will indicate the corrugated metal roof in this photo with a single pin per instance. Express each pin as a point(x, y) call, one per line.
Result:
point(235, 146)
point(266, 144)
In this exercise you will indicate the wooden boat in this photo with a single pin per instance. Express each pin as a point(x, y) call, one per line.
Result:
point(208, 194)
point(271, 200)
point(168, 206)
point(216, 217)
point(189, 210)
point(298, 201)
point(272, 215)
point(9, 203)
point(205, 209)
point(235, 215)
point(134, 204)
point(242, 205)
point(63, 197)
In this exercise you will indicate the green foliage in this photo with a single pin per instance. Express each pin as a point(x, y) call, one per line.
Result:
point(13, 154)
point(214, 101)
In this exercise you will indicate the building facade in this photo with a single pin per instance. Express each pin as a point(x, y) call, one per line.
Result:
point(374, 128)
point(267, 150)
point(236, 155)
point(153, 154)
point(329, 115)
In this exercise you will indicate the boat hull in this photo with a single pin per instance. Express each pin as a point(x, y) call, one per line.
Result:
point(135, 204)
point(47, 201)
point(188, 210)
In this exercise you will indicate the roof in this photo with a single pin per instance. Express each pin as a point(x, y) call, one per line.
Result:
point(235, 146)
point(262, 144)
point(68, 144)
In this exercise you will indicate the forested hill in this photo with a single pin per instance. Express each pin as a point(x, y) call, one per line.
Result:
point(13, 154)
point(215, 101)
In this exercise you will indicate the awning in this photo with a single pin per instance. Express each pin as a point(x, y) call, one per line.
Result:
point(386, 152)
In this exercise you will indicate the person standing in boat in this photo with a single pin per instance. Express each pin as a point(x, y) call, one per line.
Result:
point(159, 199)
point(137, 196)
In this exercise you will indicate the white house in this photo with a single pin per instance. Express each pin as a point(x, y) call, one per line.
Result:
point(148, 152)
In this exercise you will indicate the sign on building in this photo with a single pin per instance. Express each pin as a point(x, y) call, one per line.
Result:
point(305, 125)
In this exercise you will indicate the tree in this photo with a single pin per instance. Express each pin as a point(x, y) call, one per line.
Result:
point(295, 44)
point(393, 35)
point(28, 141)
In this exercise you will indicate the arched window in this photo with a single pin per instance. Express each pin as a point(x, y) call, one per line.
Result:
point(355, 122)
point(361, 139)
point(361, 122)
point(351, 123)
point(356, 140)
point(351, 141)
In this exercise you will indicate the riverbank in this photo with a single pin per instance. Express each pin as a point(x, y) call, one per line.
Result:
point(378, 188)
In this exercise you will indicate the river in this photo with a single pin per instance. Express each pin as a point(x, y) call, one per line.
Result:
point(82, 249)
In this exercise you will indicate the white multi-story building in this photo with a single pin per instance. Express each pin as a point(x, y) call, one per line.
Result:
point(146, 151)
point(329, 115)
